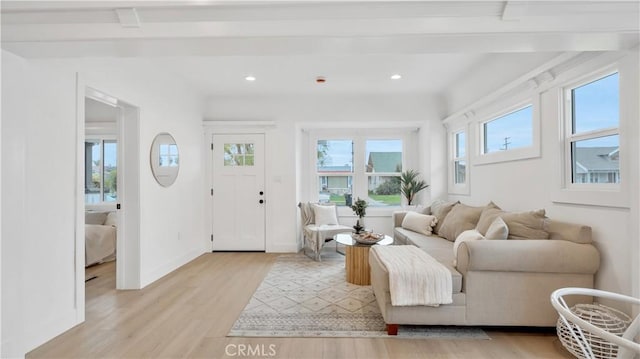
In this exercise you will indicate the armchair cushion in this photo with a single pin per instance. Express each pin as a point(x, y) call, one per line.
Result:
point(324, 214)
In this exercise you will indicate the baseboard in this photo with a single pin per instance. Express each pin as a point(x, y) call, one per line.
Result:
point(18, 347)
point(150, 277)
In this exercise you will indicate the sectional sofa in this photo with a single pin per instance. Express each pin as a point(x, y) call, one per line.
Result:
point(496, 282)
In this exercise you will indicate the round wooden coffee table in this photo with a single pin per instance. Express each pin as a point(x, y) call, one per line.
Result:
point(357, 258)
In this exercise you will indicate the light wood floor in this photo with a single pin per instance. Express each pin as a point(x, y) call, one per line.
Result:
point(189, 312)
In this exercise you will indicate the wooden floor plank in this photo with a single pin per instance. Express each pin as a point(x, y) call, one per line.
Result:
point(188, 313)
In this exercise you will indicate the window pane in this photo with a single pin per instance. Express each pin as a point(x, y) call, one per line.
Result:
point(93, 173)
point(510, 131)
point(384, 156)
point(110, 171)
point(334, 189)
point(384, 191)
point(460, 145)
point(335, 156)
point(235, 154)
point(596, 160)
point(459, 172)
point(596, 105)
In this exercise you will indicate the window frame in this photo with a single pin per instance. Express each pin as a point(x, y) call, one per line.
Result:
point(360, 185)
point(501, 109)
point(102, 139)
point(569, 137)
point(463, 187)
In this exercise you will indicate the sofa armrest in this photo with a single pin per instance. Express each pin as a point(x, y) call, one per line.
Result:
point(398, 217)
point(532, 255)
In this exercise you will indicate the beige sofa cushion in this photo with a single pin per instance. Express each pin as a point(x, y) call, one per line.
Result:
point(441, 209)
point(526, 225)
point(461, 218)
point(577, 233)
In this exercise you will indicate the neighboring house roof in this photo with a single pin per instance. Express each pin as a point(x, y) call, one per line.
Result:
point(343, 168)
point(384, 162)
point(597, 159)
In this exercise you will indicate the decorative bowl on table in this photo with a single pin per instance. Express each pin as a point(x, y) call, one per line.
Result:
point(368, 237)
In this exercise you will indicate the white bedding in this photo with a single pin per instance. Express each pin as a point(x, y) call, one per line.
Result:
point(100, 243)
point(415, 278)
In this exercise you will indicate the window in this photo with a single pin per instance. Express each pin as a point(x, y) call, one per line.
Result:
point(334, 168)
point(593, 139)
point(100, 184)
point(383, 168)
point(459, 159)
point(510, 131)
point(368, 168)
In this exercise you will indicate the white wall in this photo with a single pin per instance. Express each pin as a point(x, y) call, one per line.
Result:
point(287, 145)
point(38, 186)
point(529, 184)
point(171, 227)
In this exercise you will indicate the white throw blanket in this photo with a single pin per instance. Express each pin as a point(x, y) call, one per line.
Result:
point(415, 278)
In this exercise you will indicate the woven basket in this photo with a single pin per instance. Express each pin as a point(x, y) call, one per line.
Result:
point(609, 319)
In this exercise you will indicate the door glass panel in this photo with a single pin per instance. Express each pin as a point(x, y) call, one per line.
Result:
point(239, 154)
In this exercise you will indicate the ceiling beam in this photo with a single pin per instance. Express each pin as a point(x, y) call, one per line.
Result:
point(493, 43)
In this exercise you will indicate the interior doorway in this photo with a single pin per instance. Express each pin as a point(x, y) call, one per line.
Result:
point(109, 167)
point(100, 186)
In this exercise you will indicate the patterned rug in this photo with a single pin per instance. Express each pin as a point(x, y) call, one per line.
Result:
point(300, 297)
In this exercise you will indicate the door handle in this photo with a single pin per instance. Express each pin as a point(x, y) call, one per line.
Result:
point(261, 201)
point(261, 193)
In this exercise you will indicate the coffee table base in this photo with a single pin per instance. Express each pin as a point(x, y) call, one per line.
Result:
point(357, 265)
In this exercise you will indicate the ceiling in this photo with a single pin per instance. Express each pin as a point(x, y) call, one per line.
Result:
point(356, 45)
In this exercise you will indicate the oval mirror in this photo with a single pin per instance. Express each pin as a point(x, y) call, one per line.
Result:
point(165, 159)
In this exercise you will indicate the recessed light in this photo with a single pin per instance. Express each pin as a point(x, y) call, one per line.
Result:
point(396, 77)
point(250, 78)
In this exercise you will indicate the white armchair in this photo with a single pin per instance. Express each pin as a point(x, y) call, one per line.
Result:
point(315, 235)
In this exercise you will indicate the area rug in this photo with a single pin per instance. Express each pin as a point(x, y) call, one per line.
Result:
point(300, 297)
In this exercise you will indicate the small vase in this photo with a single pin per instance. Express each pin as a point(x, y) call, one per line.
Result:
point(358, 228)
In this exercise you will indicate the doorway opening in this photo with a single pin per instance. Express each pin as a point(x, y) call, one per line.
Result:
point(109, 176)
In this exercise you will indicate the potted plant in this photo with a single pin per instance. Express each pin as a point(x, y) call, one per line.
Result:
point(359, 207)
point(410, 185)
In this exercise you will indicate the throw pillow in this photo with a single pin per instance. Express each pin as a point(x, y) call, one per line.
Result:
point(440, 209)
point(526, 225)
point(497, 230)
point(460, 218)
point(324, 215)
point(470, 235)
point(488, 215)
point(420, 223)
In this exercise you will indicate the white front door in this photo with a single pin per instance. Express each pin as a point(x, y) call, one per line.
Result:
point(238, 193)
